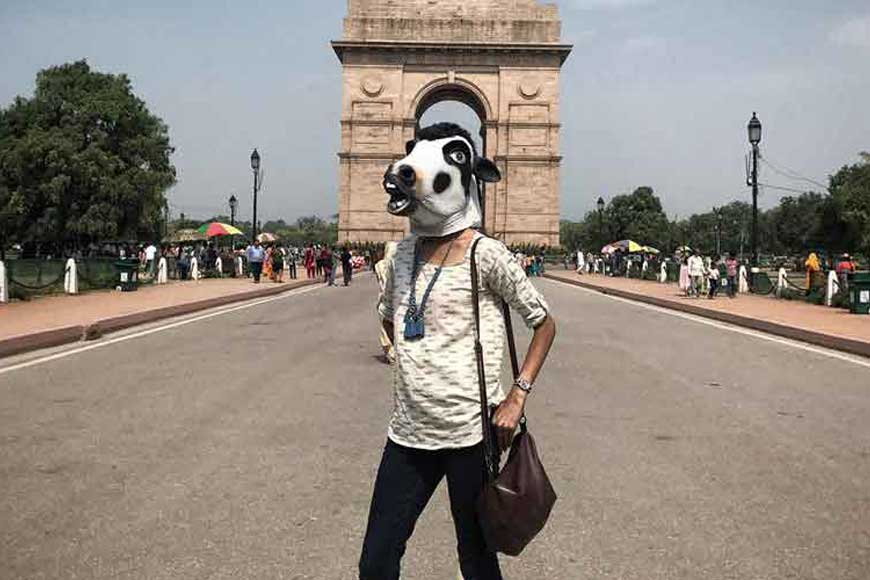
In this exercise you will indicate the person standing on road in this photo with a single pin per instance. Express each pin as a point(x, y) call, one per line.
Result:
point(308, 260)
point(713, 278)
point(436, 428)
point(332, 266)
point(292, 256)
point(277, 264)
point(696, 274)
point(346, 265)
point(255, 255)
point(150, 258)
point(732, 267)
point(813, 266)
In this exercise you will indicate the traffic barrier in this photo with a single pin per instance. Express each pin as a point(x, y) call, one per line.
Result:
point(4, 284)
point(743, 283)
point(162, 271)
point(832, 289)
point(71, 278)
point(781, 282)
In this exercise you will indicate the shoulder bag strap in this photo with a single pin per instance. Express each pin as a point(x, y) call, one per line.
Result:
point(490, 452)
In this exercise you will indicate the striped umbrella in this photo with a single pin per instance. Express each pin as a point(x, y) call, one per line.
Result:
point(218, 229)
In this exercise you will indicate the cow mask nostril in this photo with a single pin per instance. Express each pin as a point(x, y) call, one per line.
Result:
point(441, 183)
point(407, 175)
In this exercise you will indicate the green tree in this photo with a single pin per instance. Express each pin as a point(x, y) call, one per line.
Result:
point(637, 217)
point(850, 190)
point(82, 160)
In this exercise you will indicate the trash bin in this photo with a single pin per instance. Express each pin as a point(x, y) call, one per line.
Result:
point(128, 274)
point(859, 292)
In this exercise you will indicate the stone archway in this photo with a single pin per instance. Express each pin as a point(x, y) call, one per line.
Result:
point(502, 59)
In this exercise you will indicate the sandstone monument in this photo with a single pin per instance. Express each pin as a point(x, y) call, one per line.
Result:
point(502, 58)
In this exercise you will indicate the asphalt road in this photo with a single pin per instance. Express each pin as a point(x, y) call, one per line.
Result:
point(244, 446)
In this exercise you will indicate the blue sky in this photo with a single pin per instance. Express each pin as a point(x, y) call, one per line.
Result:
point(655, 93)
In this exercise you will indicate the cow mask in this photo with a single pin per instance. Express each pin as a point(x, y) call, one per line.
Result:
point(435, 185)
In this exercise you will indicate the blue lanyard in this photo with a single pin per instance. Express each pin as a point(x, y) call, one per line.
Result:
point(414, 328)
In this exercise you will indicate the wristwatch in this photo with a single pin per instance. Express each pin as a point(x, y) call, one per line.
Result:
point(523, 384)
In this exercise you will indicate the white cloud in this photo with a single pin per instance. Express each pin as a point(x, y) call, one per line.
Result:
point(855, 32)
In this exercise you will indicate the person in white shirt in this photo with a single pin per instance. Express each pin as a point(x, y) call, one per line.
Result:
point(696, 274)
point(150, 255)
point(581, 263)
point(713, 279)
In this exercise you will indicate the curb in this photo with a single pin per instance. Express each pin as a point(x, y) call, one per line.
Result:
point(841, 344)
point(69, 334)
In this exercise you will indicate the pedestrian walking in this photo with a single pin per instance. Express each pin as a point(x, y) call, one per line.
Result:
point(346, 265)
point(255, 255)
point(732, 267)
point(291, 262)
point(713, 279)
point(183, 263)
point(332, 265)
point(150, 258)
point(696, 274)
point(277, 265)
point(309, 260)
point(320, 263)
point(436, 429)
point(813, 266)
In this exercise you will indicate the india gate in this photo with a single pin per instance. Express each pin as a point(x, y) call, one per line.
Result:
point(502, 58)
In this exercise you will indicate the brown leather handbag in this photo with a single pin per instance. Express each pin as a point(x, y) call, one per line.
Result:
point(515, 502)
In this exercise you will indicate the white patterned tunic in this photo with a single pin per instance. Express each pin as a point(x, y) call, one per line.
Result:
point(436, 394)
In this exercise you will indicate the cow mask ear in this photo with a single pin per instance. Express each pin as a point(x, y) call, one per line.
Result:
point(485, 170)
point(409, 146)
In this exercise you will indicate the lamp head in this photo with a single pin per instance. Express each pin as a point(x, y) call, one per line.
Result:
point(754, 129)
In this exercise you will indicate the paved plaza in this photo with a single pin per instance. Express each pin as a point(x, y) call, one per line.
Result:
point(243, 445)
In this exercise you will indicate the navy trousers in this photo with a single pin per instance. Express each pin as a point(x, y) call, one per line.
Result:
point(406, 480)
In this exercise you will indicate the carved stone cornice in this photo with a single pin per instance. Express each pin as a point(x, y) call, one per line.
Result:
point(428, 53)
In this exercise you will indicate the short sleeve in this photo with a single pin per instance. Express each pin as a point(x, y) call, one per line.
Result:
point(503, 276)
point(384, 271)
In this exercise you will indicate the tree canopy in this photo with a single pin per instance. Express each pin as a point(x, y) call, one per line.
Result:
point(837, 220)
point(82, 159)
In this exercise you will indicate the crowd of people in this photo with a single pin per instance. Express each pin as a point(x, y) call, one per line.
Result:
point(270, 260)
point(710, 275)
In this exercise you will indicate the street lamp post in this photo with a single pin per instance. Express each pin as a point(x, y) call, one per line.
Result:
point(600, 205)
point(754, 129)
point(255, 167)
point(234, 203)
point(718, 214)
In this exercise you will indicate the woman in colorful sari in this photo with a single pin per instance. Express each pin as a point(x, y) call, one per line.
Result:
point(267, 264)
point(813, 266)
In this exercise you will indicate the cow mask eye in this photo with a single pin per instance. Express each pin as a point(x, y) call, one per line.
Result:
point(459, 157)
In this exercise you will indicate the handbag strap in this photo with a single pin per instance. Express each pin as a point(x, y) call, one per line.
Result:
point(490, 452)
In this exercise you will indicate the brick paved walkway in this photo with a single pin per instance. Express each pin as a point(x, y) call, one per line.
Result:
point(43, 314)
point(835, 322)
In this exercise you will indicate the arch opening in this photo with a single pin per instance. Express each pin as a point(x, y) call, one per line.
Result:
point(456, 104)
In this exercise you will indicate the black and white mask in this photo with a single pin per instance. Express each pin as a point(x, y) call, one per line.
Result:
point(435, 185)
